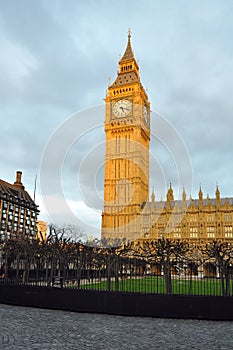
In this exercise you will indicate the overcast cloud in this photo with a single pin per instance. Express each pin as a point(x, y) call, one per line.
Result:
point(55, 61)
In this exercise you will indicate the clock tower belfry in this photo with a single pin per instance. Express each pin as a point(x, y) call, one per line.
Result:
point(126, 173)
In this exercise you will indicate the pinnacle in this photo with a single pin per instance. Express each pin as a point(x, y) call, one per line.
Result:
point(128, 55)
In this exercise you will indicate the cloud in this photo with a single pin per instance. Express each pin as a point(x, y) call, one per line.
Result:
point(56, 58)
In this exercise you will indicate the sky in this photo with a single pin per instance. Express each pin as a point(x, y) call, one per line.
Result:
point(56, 61)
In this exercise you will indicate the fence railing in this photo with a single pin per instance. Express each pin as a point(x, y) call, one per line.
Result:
point(129, 275)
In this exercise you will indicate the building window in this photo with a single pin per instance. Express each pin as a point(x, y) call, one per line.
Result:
point(193, 218)
point(228, 231)
point(210, 231)
point(210, 218)
point(227, 217)
point(193, 232)
point(177, 232)
point(210, 235)
point(161, 232)
point(177, 219)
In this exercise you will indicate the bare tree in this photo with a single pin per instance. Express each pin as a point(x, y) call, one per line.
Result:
point(222, 255)
point(165, 252)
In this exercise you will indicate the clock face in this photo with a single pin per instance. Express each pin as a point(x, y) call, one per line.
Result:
point(145, 113)
point(122, 108)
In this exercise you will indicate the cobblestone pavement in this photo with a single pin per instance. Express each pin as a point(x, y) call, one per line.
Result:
point(29, 328)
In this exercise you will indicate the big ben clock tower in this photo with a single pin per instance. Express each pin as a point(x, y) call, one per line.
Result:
point(126, 173)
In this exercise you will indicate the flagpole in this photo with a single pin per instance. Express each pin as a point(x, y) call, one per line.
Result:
point(34, 197)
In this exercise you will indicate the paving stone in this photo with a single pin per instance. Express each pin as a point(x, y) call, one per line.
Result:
point(39, 329)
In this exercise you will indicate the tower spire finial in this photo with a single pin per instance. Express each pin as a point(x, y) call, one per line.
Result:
point(128, 55)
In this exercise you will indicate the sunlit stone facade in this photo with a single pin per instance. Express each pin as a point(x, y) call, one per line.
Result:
point(195, 220)
point(42, 230)
point(128, 212)
point(127, 128)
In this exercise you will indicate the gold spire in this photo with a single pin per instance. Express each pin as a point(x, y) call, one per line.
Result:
point(153, 196)
point(128, 55)
point(217, 193)
point(128, 71)
point(200, 194)
point(170, 196)
point(184, 195)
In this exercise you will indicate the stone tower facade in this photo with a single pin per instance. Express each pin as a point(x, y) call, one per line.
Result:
point(128, 212)
point(127, 129)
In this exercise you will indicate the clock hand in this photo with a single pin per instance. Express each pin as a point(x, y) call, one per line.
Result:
point(124, 109)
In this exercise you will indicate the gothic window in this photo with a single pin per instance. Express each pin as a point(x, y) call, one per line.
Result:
point(228, 231)
point(227, 217)
point(210, 218)
point(193, 232)
point(210, 232)
point(177, 232)
point(193, 218)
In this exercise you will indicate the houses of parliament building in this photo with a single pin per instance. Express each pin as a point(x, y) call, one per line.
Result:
point(128, 212)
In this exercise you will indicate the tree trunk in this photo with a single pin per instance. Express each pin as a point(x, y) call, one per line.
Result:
point(116, 275)
point(222, 280)
point(108, 274)
point(78, 277)
point(167, 276)
point(190, 279)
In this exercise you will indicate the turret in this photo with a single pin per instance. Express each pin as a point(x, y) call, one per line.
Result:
point(200, 194)
point(153, 196)
point(217, 194)
point(170, 196)
point(184, 198)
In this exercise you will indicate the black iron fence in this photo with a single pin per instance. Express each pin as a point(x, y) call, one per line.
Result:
point(160, 267)
point(127, 275)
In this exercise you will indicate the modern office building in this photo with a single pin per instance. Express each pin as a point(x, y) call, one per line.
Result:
point(18, 211)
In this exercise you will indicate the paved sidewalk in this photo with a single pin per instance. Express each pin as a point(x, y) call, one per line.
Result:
point(29, 328)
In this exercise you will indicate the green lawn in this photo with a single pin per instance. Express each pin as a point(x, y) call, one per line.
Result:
point(156, 284)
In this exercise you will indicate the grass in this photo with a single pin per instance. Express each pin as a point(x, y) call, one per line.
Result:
point(156, 284)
